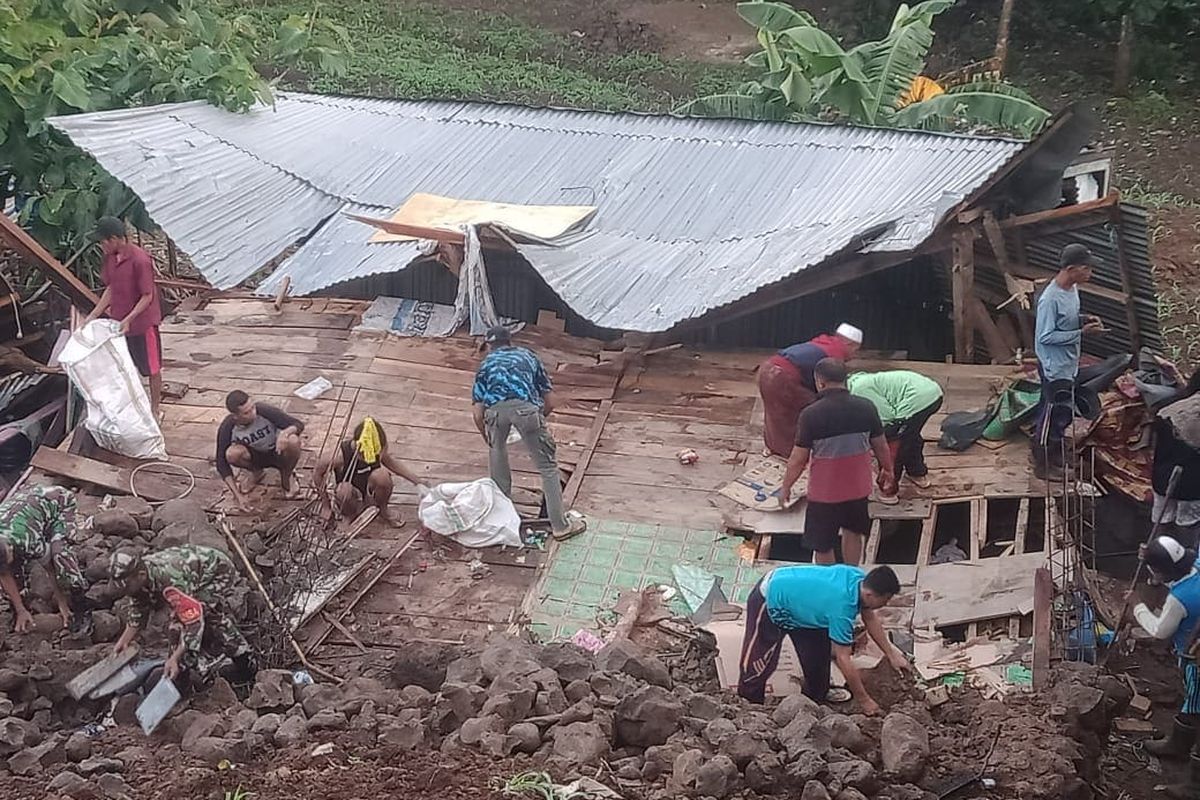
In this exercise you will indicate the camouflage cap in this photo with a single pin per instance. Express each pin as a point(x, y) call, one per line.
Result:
point(122, 564)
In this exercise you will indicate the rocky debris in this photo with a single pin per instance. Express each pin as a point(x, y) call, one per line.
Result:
point(78, 747)
point(94, 766)
point(106, 626)
point(568, 661)
point(403, 731)
point(33, 760)
point(904, 746)
point(580, 743)
point(647, 717)
point(273, 689)
point(508, 657)
point(141, 511)
point(291, 732)
point(73, 785)
point(626, 657)
point(423, 664)
point(17, 734)
point(526, 736)
point(115, 522)
point(176, 512)
point(792, 705)
point(114, 787)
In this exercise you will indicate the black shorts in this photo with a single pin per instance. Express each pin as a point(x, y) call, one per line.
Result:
point(260, 459)
point(146, 352)
point(823, 522)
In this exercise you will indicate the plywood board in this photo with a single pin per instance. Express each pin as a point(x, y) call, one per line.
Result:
point(966, 591)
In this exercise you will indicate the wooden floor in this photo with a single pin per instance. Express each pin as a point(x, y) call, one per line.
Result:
point(618, 433)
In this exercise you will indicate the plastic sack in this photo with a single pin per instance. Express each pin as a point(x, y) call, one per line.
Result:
point(475, 514)
point(97, 361)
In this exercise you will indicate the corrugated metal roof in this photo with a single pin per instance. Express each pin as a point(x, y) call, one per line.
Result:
point(693, 213)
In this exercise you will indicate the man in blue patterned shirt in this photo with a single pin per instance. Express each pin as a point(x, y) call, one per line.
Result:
point(512, 390)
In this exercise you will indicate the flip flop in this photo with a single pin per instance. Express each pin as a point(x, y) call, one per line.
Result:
point(577, 527)
point(839, 695)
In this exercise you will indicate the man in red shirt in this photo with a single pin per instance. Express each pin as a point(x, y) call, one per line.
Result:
point(837, 434)
point(131, 297)
point(785, 382)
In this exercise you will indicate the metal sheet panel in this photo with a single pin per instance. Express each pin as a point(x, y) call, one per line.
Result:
point(693, 213)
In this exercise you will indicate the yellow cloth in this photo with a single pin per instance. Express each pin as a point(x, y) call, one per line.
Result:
point(922, 88)
point(369, 445)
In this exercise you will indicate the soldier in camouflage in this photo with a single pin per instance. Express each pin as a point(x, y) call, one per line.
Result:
point(34, 527)
point(194, 582)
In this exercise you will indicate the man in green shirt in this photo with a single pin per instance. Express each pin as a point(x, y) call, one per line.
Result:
point(905, 401)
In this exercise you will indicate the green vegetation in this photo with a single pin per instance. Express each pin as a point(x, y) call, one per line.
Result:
point(804, 73)
point(61, 57)
point(422, 51)
point(538, 785)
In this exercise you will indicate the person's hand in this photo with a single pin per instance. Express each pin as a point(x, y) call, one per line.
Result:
point(118, 647)
point(886, 481)
point(65, 616)
point(1093, 326)
point(24, 621)
point(243, 502)
point(899, 661)
point(171, 668)
point(124, 327)
point(870, 707)
point(785, 495)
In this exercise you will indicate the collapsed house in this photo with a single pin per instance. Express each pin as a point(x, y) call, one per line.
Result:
point(664, 244)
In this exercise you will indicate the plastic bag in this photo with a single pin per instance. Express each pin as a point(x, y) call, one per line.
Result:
point(475, 514)
point(97, 361)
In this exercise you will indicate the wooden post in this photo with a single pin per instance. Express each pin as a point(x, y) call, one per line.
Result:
point(962, 286)
point(1043, 607)
point(1135, 333)
point(1006, 12)
point(1123, 70)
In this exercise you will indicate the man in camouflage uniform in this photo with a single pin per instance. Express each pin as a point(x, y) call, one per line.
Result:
point(34, 527)
point(195, 583)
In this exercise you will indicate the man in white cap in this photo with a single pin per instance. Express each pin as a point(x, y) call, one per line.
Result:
point(786, 384)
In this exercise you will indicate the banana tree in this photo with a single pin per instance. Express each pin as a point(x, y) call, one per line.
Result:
point(806, 74)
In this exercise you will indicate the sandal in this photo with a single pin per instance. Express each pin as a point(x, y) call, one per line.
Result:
point(839, 695)
point(576, 527)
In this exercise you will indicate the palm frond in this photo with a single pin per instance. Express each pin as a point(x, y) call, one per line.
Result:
point(774, 17)
point(995, 105)
point(735, 106)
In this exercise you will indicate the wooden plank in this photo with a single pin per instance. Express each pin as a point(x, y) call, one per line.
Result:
point(873, 542)
point(1131, 317)
point(1043, 599)
point(973, 533)
point(962, 285)
point(1056, 214)
point(925, 548)
point(33, 253)
point(106, 476)
point(972, 591)
point(585, 458)
point(995, 238)
point(1022, 527)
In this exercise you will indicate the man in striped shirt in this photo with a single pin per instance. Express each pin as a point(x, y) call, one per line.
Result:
point(837, 434)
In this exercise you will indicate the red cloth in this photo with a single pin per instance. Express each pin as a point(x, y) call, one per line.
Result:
point(784, 396)
point(834, 346)
point(129, 274)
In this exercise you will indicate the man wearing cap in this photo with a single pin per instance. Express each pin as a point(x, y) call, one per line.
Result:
point(815, 607)
point(1174, 565)
point(131, 297)
point(196, 583)
point(837, 434)
point(35, 524)
point(512, 390)
point(905, 401)
point(785, 382)
point(1058, 338)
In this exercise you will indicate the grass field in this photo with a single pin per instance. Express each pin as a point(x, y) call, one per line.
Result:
point(423, 51)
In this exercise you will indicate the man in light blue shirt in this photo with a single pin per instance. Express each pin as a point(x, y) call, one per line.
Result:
point(1057, 341)
point(815, 606)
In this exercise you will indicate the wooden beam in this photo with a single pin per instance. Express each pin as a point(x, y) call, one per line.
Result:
point(873, 542)
point(116, 479)
point(1131, 317)
point(981, 320)
point(995, 238)
point(281, 295)
point(962, 286)
point(1043, 601)
point(977, 515)
point(925, 548)
point(589, 447)
point(1065, 212)
point(32, 251)
point(1022, 528)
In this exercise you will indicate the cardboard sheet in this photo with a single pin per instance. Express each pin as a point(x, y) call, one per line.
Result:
point(758, 486)
point(447, 213)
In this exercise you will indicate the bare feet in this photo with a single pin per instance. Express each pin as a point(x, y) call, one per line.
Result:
point(252, 478)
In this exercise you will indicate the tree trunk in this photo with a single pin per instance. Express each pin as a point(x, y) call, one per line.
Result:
point(1124, 66)
point(1006, 12)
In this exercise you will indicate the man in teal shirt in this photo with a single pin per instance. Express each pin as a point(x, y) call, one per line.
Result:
point(1057, 342)
point(815, 606)
point(905, 401)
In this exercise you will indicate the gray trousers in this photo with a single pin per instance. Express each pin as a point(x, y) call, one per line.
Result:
point(527, 418)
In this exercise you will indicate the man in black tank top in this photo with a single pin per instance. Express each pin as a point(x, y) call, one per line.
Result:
point(362, 471)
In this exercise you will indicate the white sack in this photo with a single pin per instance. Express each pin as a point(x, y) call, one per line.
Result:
point(118, 412)
point(475, 514)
